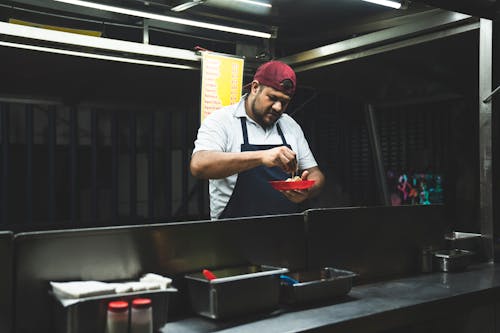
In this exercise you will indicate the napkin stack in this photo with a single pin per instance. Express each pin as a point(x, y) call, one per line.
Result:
point(81, 289)
point(163, 281)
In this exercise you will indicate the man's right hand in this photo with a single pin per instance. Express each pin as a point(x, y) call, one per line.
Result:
point(282, 157)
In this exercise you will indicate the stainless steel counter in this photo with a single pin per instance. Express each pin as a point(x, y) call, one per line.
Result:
point(388, 246)
point(6, 283)
point(371, 308)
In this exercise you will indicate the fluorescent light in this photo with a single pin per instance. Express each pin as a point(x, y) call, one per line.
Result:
point(387, 3)
point(95, 42)
point(94, 56)
point(187, 5)
point(165, 18)
point(257, 3)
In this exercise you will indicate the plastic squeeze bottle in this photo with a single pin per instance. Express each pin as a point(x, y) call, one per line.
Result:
point(141, 319)
point(117, 317)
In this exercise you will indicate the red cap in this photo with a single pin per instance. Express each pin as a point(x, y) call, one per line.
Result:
point(118, 306)
point(277, 75)
point(141, 303)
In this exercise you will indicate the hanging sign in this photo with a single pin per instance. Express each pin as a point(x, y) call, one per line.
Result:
point(221, 81)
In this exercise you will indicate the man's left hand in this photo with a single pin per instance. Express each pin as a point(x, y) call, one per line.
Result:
point(297, 196)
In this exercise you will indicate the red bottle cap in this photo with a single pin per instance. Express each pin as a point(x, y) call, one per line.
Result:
point(141, 303)
point(118, 306)
point(208, 275)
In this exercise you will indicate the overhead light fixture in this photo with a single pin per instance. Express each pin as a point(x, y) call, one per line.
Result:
point(192, 3)
point(166, 18)
point(257, 3)
point(387, 3)
point(94, 56)
point(67, 38)
point(187, 5)
point(95, 42)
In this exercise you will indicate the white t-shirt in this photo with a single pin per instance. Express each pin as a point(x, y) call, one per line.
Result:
point(221, 131)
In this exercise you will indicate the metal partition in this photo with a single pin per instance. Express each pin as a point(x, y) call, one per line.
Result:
point(375, 242)
point(119, 253)
point(6, 290)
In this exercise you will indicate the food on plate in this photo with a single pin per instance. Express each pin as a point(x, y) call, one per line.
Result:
point(294, 179)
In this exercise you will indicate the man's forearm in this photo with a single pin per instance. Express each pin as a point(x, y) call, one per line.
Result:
point(216, 165)
point(316, 175)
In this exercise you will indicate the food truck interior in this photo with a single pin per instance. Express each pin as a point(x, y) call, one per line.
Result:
point(397, 106)
point(92, 142)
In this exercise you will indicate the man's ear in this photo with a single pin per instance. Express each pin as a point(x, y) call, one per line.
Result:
point(255, 86)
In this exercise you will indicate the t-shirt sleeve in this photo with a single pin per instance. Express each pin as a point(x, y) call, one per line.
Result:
point(212, 134)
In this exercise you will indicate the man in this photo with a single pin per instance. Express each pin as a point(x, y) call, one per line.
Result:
point(242, 147)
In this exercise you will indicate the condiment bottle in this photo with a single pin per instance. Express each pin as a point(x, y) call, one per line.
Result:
point(141, 319)
point(117, 317)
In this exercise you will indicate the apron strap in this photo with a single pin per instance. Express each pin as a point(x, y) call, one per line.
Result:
point(281, 134)
point(245, 131)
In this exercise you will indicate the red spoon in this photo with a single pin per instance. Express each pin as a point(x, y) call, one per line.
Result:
point(209, 275)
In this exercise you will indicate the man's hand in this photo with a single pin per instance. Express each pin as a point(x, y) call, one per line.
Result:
point(297, 196)
point(282, 157)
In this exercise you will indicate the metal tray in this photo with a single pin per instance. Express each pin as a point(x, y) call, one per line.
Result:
point(464, 241)
point(452, 260)
point(319, 285)
point(236, 291)
point(88, 315)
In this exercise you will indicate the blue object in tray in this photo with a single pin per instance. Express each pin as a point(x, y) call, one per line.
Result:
point(288, 280)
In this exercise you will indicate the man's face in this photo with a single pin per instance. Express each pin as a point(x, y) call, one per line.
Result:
point(268, 105)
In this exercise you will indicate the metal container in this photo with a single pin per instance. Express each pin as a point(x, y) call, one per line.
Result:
point(452, 260)
point(427, 259)
point(88, 315)
point(464, 240)
point(319, 285)
point(235, 291)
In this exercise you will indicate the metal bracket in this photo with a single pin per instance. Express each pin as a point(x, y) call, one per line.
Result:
point(145, 31)
point(490, 96)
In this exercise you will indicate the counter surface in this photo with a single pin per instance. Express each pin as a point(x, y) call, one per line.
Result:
point(370, 307)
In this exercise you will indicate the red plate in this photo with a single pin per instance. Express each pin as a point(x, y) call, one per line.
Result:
point(283, 185)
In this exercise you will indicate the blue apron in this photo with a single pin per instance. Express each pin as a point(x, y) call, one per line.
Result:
point(252, 194)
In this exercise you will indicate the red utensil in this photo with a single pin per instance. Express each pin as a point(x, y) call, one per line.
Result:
point(209, 275)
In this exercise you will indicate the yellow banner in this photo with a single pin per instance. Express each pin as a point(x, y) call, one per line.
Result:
point(221, 81)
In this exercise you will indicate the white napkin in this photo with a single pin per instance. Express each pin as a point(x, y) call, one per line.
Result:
point(79, 289)
point(121, 288)
point(139, 286)
point(164, 281)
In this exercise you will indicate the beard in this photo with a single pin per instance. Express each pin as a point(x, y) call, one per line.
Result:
point(264, 117)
